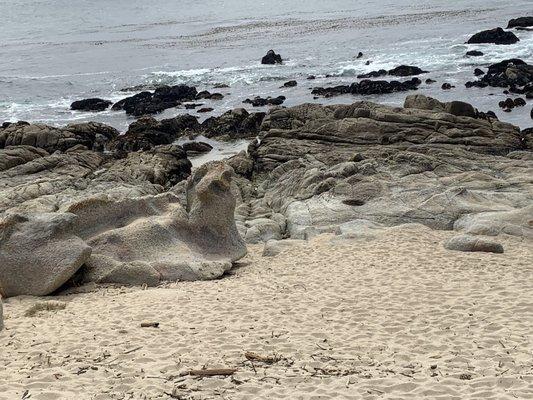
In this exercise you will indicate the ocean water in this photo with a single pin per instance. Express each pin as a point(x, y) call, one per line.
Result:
point(53, 52)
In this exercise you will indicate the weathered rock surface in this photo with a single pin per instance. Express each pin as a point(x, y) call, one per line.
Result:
point(473, 243)
point(113, 216)
point(234, 124)
point(495, 36)
point(147, 132)
point(317, 167)
point(153, 239)
point(38, 253)
point(92, 135)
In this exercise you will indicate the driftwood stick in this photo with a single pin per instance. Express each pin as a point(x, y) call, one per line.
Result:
point(213, 372)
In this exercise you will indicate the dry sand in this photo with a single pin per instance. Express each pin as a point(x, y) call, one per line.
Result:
point(395, 316)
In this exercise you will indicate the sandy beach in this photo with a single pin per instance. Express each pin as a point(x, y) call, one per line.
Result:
point(391, 315)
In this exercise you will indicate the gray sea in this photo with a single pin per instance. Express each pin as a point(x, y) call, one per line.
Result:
point(53, 52)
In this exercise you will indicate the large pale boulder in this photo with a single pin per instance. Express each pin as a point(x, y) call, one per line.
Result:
point(151, 239)
point(38, 253)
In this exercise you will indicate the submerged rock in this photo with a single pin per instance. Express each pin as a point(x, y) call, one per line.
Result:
point(474, 53)
point(94, 104)
point(290, 84)
point(495, 36)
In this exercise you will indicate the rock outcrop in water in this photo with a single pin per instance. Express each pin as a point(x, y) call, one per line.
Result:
point(368, 87)
point(162, 98)
point(271, 58)
point(495, 36)
point(522, 22)
point(514, 73)
point(93, 104)
point(406, 70)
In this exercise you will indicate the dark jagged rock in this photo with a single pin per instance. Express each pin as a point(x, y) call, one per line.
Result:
point(368, 87)
point(211, 96)
point(271, 58)
point(91, 135)
point(94, 104)
point(495, 36)
point(447, 86)
point(519, 102)
point(205, 110)
point(478, 72)
point(290, 84)
point(474, 53)
point(269, 101)
point(359, 55)
point(514, 73)
point(192, 106)
point(311, 77)
point(147, 132)
point(429, 81)
point(522, 22)
point(507, 104)
point(194, 148)
point(372, 74)
point(161, 99)
point(402, 70)
point(406, 70)
point(233, 124)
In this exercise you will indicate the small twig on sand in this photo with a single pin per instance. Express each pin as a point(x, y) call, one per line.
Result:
point(132, 350)
point(251, 356)
point(149, 324)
